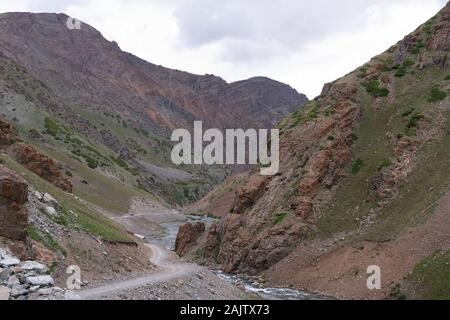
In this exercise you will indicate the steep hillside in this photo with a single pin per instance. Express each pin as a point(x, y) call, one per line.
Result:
point(364, 179)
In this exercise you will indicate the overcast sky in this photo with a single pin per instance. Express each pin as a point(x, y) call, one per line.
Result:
point(299, 42)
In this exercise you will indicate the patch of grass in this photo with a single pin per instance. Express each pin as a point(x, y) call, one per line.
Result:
point(417, 48)
point(400, 72)
point(91, 162)
point(373, 87)
point(436, 94)
point(412, 124)
point(279, 217)
point(51, 127)
point(408, 63)
point(357, 165)
point(45, 238)
point(306, 114)
point(386, 163)
point(432, 276)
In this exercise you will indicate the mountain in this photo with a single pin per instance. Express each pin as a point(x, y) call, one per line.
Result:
point(364, 180)
point(92, 73)
point(77, 96)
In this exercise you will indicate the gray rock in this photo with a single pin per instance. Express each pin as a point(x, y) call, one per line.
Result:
point(18, 290)
point(33, 266)
point(70, 295)
point(4, 293)
point(41, 281)
point(2, 253)
point(38, 195)
point(45, 291)
point(49, 200)
point(9, 261)
point(12, 281)
point(50, 211)
point(5, 274)
point(33, 289)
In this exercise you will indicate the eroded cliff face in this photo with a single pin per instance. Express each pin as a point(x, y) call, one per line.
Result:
point(362, 161)
point(13, 196)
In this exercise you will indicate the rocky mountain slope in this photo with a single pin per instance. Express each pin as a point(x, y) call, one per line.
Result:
point(75, 92)
point(364, 179)
point(92, 73)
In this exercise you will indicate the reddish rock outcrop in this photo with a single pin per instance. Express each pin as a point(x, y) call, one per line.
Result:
point(249, 194)
point(187, 237)
point(31, 158)
point(40, 164)
point(13, 196)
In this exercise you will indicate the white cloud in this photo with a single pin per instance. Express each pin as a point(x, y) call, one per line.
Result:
point(302, 43)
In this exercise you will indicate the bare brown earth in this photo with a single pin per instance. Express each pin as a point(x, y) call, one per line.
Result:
point(340, 270)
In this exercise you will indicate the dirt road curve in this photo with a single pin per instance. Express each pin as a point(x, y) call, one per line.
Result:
point(168, 269)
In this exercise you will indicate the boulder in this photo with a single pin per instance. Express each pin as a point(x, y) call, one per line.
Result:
point(5, 274)
point(49, 200)
point(40, 164)
point(13, 196)
point(187, 236)
point(50, 211)
point(250, 193)
point(9, 262)
point(42, 281)
point(13, 280)
point(4, 293)
point(18, 290)
point(33, 266)
point(8, 135)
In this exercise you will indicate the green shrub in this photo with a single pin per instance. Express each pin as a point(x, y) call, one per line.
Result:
point(357, 166)
point(447, 78)
point(91, 162)
point(408, 63)
point(437, 95)
point(279, 217)
point(400, 72)
point(373, 87)
point(51, 127)
point(412, 123)
point(417, 48)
